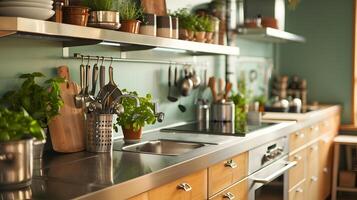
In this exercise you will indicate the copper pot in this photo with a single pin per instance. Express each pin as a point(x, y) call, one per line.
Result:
point(76, 15)
point(131, 26)
point(130, 134)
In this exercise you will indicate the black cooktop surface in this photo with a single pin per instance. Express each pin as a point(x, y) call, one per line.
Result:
point(218, 128)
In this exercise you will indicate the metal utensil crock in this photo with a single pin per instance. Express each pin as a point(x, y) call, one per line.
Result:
point(222, 112)
point(16, 164)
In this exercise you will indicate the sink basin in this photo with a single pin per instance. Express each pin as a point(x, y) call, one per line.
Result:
point(164, 147)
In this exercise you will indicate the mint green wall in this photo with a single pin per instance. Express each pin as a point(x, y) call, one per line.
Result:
point(325, 59)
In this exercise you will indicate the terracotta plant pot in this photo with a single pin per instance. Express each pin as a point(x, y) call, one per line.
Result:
point(183, 34)
point(130, 26)
point(200, 36)
point(131, 135)
point(191, 35)
point(76, 15)
point(209, 37)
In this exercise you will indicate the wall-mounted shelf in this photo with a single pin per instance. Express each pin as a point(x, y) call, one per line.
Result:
point(72, 35)
point(269, 35)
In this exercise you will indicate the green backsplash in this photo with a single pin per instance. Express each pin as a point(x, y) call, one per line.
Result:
point(325, 60)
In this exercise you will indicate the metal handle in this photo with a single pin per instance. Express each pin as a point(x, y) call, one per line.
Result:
point(326, 139)
point(276, 174)
point(102, 76)
point(86, 92)
point(94, 80)
point(299, 190)
point(325, 170)
point(314, 178)
point(184, 186)
point(231, 164)
point(111, 79)
point(314, 148)
point(229, 196)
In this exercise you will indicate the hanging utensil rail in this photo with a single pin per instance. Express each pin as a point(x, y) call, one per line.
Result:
point(116, 59)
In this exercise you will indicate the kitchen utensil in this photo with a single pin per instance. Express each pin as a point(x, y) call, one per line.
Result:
point(16, 164)
point(87, 80)
point(67, 128)
point(212, 86)
point(196, 80)
point(27, 12)
point(79, 98)
point(222, 112)
point(169, 97)
point(176, 77)
point(227, 90)
point(181, 107)
point(186, 84)
point(202, 112)
point(102, 75)
point(220, 87)
point(99, 132)
point(157, 7)
point(94, 79)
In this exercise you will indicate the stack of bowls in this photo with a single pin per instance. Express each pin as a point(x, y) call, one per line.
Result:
point(35, 9)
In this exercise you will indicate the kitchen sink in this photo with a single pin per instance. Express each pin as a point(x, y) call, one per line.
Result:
point(164, 147)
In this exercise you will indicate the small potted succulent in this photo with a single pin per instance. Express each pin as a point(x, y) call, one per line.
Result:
point(17, 129)
point(130, 13)
point(186, 23)
point(102, 14)
point(135, 117)
point(41, 102)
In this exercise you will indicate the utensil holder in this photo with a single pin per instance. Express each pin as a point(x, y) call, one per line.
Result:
point(99, 132)
point(222, 112)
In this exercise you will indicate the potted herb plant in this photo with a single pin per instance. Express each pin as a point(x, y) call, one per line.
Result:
point(102, 14)
point(135, 117)
point(129, 13)
point(16, 157)
point(186, 23)
point(200, 27)
point(208, 24)
point(41, 102)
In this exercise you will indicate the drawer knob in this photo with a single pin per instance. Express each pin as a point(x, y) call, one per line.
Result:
point(314, 178)
point(300, 134)
point(325, 170)
point(229, 196)
point(299, 190)
point(314, 148)
point(297, 157)
point(184, 186)
point(231, 164)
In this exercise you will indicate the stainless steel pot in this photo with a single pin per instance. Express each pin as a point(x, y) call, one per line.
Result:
point(16, 164)
point(222, 112)
point(104, 19)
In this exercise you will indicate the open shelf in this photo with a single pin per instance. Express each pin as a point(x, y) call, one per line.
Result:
point(72, 35)
point(269, 35)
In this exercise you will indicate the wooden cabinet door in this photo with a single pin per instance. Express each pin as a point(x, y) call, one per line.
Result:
point(312, 171)
point(238, 191)
point(142, 196)
point(297, 173)
point(225, 173)
point(299, 193)
point(192, 187)
point(297, 139)
point(325, 168)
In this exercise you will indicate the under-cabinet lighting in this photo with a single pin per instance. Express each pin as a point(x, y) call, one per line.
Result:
point(169, 50)
point(110, 44)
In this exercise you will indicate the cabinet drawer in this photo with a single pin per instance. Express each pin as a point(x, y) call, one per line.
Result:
point(326, 125)
point(313, 132)
point(225, 173)
point(298, 193)
point(238, 191)
point(297, 173)
point(297, 139)
point(142, 196)
point(312, 152)
point(190, 187)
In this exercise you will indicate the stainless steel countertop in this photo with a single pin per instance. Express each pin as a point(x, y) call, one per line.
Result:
point(120, 175)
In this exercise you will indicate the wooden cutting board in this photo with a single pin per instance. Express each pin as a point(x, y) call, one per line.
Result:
point(67, 129)
point(157, 7)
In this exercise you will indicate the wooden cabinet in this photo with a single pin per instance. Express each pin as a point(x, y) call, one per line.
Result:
point(297, 139)
point(313, 132)
point(142, 196)
point(238, 191)
point(225, 173)
point(297, 173)
point(312, 186)
point(298, 192)
point(325, 168)
point(192, 187)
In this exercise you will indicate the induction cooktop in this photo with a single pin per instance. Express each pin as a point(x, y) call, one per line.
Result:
point(218, 128)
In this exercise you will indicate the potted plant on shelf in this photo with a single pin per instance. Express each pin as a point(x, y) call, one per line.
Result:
point(135, 117)
point(41, 102)
point(200, 27)
point(186, 23)
point(208, 24)
point(129, 13)
point(102, 14)
point(16, 157)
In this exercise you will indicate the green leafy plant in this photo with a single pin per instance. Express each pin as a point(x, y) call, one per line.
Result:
point(186, 19)
point(240, 100)
point(136, 117)
point(129, 10)
point(18, 125)
point(99, 5)
point(41, 102)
